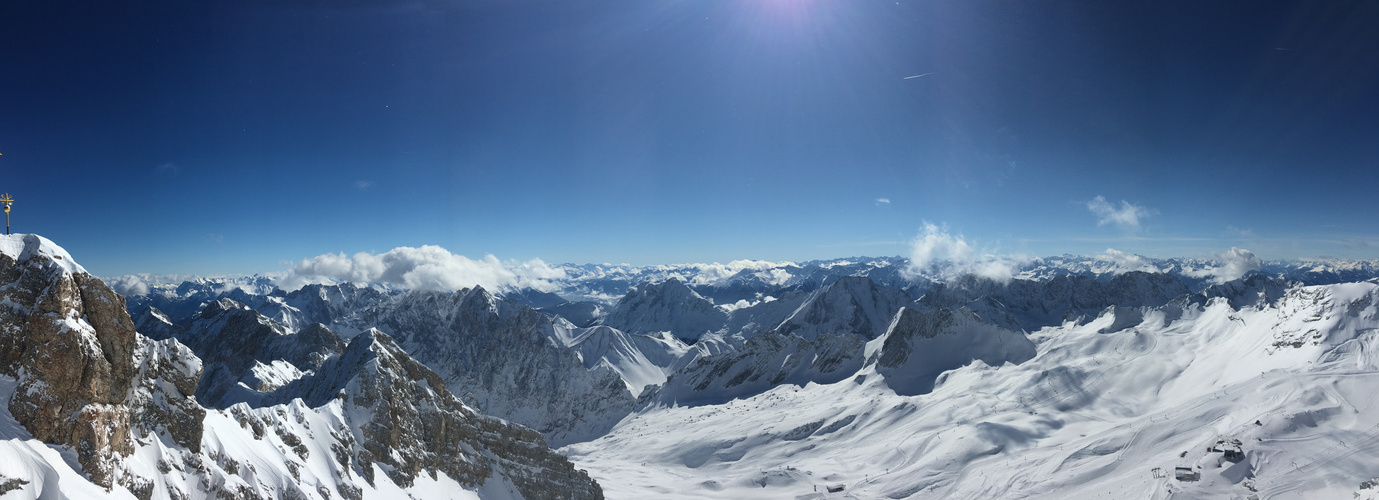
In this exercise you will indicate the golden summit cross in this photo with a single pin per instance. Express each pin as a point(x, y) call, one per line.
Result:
point(7, 200)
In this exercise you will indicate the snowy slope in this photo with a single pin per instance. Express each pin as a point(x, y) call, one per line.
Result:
point(1092, 414)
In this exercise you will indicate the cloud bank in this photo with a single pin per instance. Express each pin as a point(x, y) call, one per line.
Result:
point(939, 255)
point(1126, 262)
point(426, 268)
point(1127, 215)
point(1234, 263)
point(767, 271)
point(128, 285)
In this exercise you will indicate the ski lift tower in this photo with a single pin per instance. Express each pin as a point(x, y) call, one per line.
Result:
point(7, 200)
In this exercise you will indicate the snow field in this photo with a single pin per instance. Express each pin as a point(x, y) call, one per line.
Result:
point(1100, 406)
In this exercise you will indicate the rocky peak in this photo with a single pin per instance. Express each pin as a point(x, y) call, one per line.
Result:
point(763, 362)
point(68, 340)
point(852, 304)
point(667, 306)
point(416, 425)
point(1254, 290)
point(509, 361)
point(1030, 305)
point(221, 307)
point(247, 354)
point(155, 324)
point(478, 306)
point(329, 304)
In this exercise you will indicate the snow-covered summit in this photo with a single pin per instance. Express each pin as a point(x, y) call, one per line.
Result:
point(24, 247)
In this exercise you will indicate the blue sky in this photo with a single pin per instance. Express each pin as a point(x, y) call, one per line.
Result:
point(231, 137)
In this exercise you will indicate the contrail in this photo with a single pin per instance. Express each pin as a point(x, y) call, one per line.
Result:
point(917, 76)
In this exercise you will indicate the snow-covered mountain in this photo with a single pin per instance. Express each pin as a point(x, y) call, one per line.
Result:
point(1080, 376)
point(1030, 305)
point(245, 355)
point(852, 304)
point(1107, 406)
point(919, 346)
point(640, 359)
point(509, 359)
point(96, 410)
point(666, 306)
point(182, 296)
point(586, 293)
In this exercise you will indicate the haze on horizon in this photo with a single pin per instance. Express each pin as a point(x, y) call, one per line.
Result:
point(242, 137)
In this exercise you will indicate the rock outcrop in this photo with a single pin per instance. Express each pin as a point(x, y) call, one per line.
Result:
point(765, 361)
point(69, 342)
point(245, 353)
point(81, 377)
point(417, 425)
point(509, 361)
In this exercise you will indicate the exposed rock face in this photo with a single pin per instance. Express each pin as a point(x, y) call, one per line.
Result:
point(417, 425)
point(1255, 290)
point(68, 340)
point(765, 361)
point(505, 358)
point(1030, 305)
point(161, 398)
point(245, 354)
point(504, 355)
point(668, 306)
point(852, 305)
point(155, 324)
point(82, 377)
point(333, 305)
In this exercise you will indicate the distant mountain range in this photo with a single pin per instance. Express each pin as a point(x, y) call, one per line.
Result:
point(728, 284)
point(1074, 376)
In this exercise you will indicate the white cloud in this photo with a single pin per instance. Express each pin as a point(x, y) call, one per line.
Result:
point(169, 168)
point(1127, 216)
point(1234, 263)
point(1126, 262)
point(775, 276)
point(940, 255)
point(744, 303)
point(363, 185)
point(427, 268)
point(128, 285)
point(709, 273)
point(883, 201)
point(935, 246)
